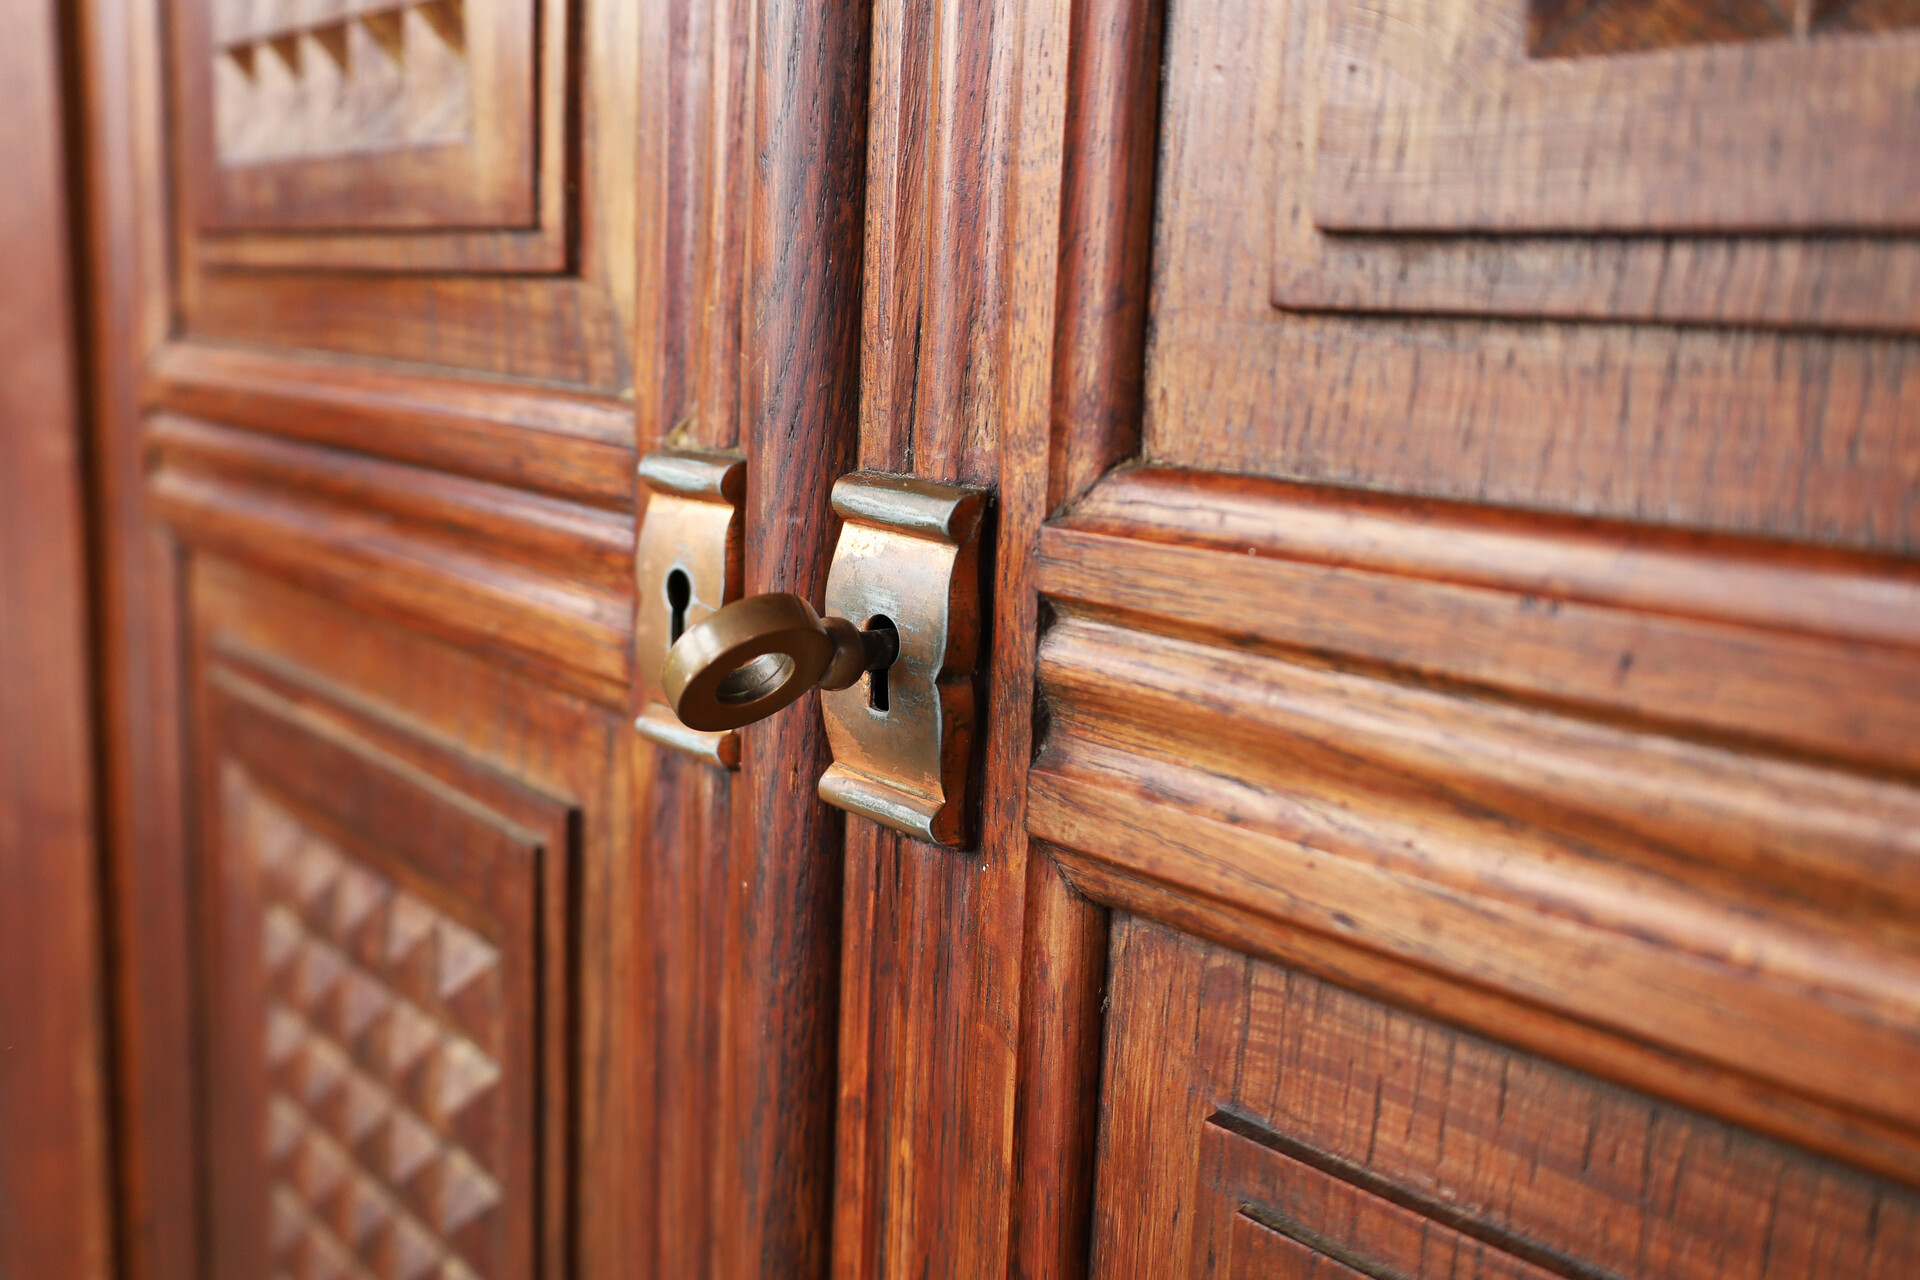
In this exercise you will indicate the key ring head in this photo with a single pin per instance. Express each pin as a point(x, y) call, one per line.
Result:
point(746, 661)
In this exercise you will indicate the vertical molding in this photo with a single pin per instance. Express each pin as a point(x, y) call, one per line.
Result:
point(129, 310)
point(774, 1135)
point(55, 1210)
point(957, 1059)
point(1113, 110)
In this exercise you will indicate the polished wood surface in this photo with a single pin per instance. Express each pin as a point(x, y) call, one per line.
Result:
point(1445, 735)
point(56, 1177)
point(1373, 1136)
point(368, 516)
point(1389, 619)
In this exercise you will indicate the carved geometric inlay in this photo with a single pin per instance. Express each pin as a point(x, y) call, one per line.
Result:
point(383, 1044)
point(297, 79)
point(1574, 28)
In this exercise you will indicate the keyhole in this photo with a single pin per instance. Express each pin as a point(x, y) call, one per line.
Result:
point(877, 678)
point(679, 593)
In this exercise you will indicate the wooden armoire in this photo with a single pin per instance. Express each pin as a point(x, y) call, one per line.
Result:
point(1401, 752)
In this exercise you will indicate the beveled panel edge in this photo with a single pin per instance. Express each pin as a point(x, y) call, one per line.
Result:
point(511, 433)
point(1856, 283)
point(1167, 697)
point(1809, 651)
point(573, 633)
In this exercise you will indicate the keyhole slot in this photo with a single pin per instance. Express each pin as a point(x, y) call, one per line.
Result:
point(877, 691)
point(679, 596)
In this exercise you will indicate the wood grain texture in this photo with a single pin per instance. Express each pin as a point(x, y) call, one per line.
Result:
point(686, 826)
point(1737, 431)
point(552, 301)
point(772, 1135)
point(577, 447)
point(1811, 653)
point(157, 1139)
point(940, 1083)
point(1828, 281)
point(1287, 746)
point(1112, 130)
point(459, 725)
point(1466, 133)
point(388, 967)
point(390, 117)
point(56, 1211)
point(507, 572)
point(695, 215)
point(1334, 1106)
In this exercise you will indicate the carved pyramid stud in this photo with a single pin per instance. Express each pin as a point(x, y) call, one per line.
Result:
point(465, 1192)
point(355, 899)
point(404, 1037)
point(462, 1074)
point(362, 1209)
point(463, 957)
point(285, 1034)
point(285, 1123)
point(358, 1001)
point(409, 1252)
point(410, 1147)
point(317, 968)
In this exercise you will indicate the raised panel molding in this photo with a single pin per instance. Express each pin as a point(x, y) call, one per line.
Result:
point(1576, 28)
point(1257, 1114)
point(1417, 375)
point(383, 1035)
point(1654, 784)
point(363, 114)
point(541, 581)
point(389, 978)
point(1335, 64)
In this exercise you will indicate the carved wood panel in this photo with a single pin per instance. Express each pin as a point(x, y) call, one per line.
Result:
point(1261, 1122)
point(362, 113)
point(389, 990)
point(300, 84)
point(1605, 145)
point(1744, 360)
point(442, 182)
point(1576, 28)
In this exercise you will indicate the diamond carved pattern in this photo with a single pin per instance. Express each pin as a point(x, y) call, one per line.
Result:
point(1575, 28)
point(299, 79)
point(382, 1046)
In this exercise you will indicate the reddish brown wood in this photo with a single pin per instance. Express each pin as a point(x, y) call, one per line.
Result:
point(563, 310)
point(455, 730)
point(143, 780)
point(387, 969)
point(1844, 281)
point(1336, 1109)
point(576, 632)
point(494, 515)
point(56, 1214)
point(574, 446)
point(1112, 131)
point(1537, 127)
point(1641, 649)
point(1695, 427)
point(962, 1126)
point(773, 1135)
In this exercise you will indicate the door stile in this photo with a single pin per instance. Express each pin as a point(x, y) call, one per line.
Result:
point(137, 566)
point(693, 238)
point(773, 1136)
point(970, 1034)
